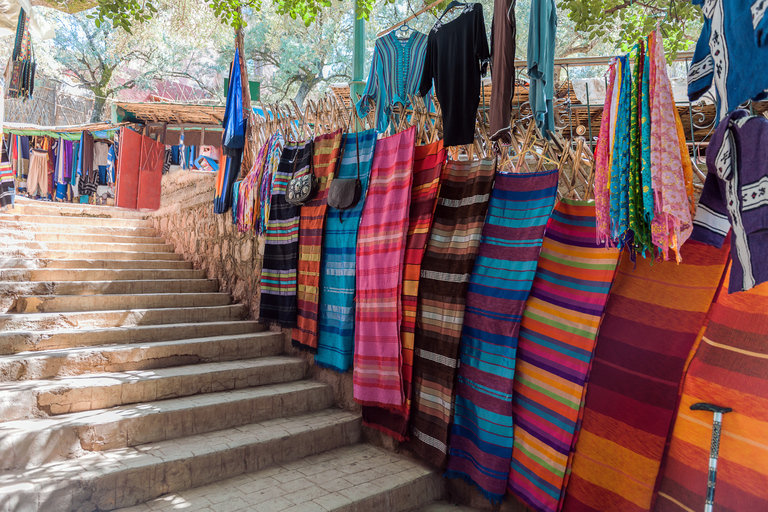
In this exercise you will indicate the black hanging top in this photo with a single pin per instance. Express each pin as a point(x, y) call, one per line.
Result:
point(457, 56)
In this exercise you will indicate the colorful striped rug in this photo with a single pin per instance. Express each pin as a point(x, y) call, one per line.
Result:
point(554, 352)
point(729, 369)
point(336, 318)
point(377, 379)
point(448, 261)
point(324, 159)
point(652, 318)
point(281, 243)
point(427, 165)
point(481, 436)
point(7, 185)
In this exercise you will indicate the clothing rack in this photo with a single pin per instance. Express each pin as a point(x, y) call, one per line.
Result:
point(409, 18)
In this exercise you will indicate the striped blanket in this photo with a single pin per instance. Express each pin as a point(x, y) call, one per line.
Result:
point(448, 261)
point(481, 437)
point(652, 318)
point(326, 154)
point(336, 319)
point(7, 185)
point(557, 339)
point(378, 360)
point(729, 369)
point(427, 165)
point(281, 243)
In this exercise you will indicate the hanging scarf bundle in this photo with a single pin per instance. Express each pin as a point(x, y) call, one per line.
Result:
point(643, 173)
point(266, 182)
point(249, 188)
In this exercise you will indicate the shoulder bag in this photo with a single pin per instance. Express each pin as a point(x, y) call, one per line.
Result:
point(302, 189)
point(344, 193)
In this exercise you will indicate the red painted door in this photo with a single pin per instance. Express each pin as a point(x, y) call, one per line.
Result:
point(127, 188)
point(150, 174)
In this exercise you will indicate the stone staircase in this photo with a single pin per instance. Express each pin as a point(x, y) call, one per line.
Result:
point(128, 380)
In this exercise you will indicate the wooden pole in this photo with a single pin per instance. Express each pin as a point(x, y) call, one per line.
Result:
point(248, 150)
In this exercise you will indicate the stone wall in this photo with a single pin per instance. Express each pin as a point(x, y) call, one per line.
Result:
point(212, 243)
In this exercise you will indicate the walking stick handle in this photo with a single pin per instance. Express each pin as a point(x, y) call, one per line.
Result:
point(704, 406)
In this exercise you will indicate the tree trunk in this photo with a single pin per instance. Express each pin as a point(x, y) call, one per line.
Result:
point(97, 114)
point(248, 150)
point(304, 89)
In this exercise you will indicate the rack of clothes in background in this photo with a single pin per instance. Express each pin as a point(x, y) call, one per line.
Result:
point(529, 316)
point(72, 165)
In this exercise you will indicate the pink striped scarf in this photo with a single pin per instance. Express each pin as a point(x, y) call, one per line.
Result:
point(379, 266)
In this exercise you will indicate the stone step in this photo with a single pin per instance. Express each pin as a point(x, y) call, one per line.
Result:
point(147, 300)
point(97, 274)
point(7, 223)
point(69, 362)
point(71, 220)
point(24, 341)
point(25, 206)
point(120, 318)
point(359, 478)
point(15, 252)
point(88, 245)
point(117, 264)
point(64, 288)
point(105, 239)
point(35, 398)
point(69, 435)
point(121, 478)
point(445, 506)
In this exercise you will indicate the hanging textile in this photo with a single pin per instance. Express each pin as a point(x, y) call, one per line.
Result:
point(336, 319)
point(735, 196)
point(249, 191)
point(732, 40)
point(7, 184)
point(603, 155)
point(457, 56)
point(652, 318)
point(729, 370)
point(266, 183)
point(327, 149)
point(234, 117)
point(503, 34)
point(542, 31)
point(395, 74)
point(281, 242)
point(619, 179)
point(37, 180)
point(225, 177)
point(377, 378)
point(672, 223)
point(481, 436)
point(428, 163)
point(449, 257)
point(235, 200)
point(557, 339)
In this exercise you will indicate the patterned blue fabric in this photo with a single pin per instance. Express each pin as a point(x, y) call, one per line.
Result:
point(336, 315)
point(620, 168)
point(733, 40)
point(395, 73)
point(542, 32)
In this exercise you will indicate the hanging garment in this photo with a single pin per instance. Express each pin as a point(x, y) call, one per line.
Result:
point(247, 203)
point(235, 198)
point(100, 152)
point(225, 177)
point(7, 184)
point(234, 122)
point(267, 180)
point(326, 152)
point(603, 154)
point(377, 378)
point(735, 196)
point(729, 370)
point(449, 257)
point(481, 436)
point(503, 33)
point(37, 181)
point(428, 163)
point(652, 318)
point(86, 152)
point(620, 160)
point(336, 319)
point(732, 40)
point(395, 73)
point(557, 339)
point(671, 168)
point(281, 242)
point(457, 55)
point(542, 32)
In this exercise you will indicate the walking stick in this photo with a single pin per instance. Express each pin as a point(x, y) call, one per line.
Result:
point(717, 424)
